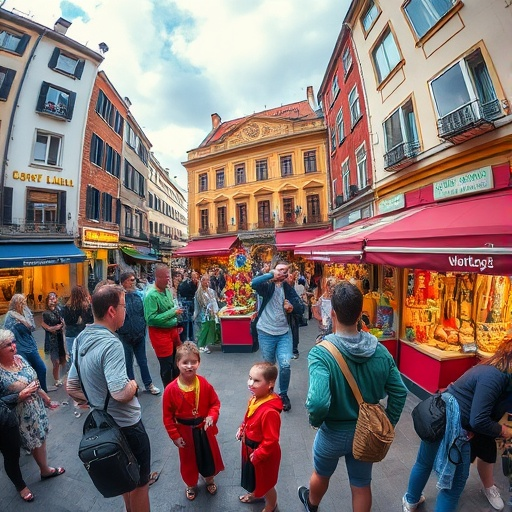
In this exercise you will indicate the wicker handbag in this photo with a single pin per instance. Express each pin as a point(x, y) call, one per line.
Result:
point(374, 432)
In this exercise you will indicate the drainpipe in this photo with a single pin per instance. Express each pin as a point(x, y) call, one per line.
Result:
point(11, 123)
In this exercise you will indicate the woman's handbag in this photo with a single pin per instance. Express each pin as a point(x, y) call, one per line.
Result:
point(374, 432)
point(429, 418)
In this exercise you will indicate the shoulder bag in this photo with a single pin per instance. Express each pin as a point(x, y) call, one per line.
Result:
point(374, 432)
point(105, 452)
point(429, 418)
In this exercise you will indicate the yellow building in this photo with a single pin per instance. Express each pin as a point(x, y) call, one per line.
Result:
point(258, 177)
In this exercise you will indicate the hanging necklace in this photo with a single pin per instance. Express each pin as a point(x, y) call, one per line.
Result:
point(187, 388)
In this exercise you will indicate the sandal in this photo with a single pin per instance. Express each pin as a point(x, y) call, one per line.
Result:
point(250, 498)
point(211, 488)
point(191, 493)
point(28, 497)
point(153, 477)
point(55, 472)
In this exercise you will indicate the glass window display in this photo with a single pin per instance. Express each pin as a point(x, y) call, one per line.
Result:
point(457, 312)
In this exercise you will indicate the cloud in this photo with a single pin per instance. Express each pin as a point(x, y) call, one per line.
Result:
point(179, 61)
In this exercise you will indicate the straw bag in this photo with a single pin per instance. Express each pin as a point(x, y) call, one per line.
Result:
point(374, 432)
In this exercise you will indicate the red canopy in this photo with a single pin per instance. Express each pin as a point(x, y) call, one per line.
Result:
point(219, 246)
point(287, 240)
point(473, 234)
point(345, 245)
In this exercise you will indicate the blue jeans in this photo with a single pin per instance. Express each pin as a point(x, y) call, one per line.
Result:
point(278, 347)
point(139, 351)
point(447, 499)
point(329, 446)
point(34, 359)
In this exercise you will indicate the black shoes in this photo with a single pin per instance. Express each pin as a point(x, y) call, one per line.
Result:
point(286, 402)
point(295, 355)
point(303, 497)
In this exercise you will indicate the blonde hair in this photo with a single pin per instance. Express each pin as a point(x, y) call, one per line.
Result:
point(185, 349)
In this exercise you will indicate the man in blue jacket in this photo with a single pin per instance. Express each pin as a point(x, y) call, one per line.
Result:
point(278, 299)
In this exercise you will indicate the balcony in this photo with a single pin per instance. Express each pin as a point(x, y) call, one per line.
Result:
point(401, 156)
point(469, 121)
point(20, 227)
point(290, 219)
point(242, 226)
point(222, 229)
point(204, 231)
point(265, 224)
point(135, 233)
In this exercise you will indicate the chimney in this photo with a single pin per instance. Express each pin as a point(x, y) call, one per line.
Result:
point(311, 98)
point(61, 26)
point(216, 120)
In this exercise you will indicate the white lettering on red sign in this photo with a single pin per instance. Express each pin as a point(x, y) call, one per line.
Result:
point(472, 262)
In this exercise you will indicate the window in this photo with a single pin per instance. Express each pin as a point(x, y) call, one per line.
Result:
point(240, 174)
point(424, 14)
point(339, 126)
point(261, 170)
point(345, 176)
point(203, 217)
point(313, 209)
point(110, 114)
point(310, 161)
point(370, 15)
point(107, 200)
point(467, 82)
point(385, 55)
point(288, 210)
point(332, 132)
point(347, 60)
point(66, 64)
point(113, 162)
point(93, 203)
point(6, 78)
point(264, 214)
point(220, 178)
point(355, 109)
point(222, 221)
point(241, 215)
point(400, 128)
point(44, 207)
point(335, 89)
point(286, 165)
point(97, 147)
point(133, 180)
point(55, 101)
point(47, 149)
point(203, 182)
point(362, 173)
point(15, 43)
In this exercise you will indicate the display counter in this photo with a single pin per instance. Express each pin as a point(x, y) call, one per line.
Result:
point(431, 368)
point(392, 345)
point(235, 333)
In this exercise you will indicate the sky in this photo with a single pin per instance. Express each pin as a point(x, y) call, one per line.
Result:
point(179, 61)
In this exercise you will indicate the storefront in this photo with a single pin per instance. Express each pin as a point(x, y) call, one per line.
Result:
point(37, 267)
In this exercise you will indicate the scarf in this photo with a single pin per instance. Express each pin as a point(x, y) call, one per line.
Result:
point(254, 403)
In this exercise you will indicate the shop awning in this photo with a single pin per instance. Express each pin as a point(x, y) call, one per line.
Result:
point(345, 245)
point(16, 255)
point(137, 255)
point(288, 240)
point(473, 234)
point(219, 246)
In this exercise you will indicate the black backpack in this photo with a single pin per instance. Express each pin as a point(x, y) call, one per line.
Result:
point(105, 452)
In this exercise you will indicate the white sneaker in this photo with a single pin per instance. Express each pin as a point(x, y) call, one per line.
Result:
point(494, 497)
point(153, 389)
point(411, 507)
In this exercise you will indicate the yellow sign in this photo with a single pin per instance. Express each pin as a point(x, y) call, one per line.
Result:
point(95, 235)
point(38, 178)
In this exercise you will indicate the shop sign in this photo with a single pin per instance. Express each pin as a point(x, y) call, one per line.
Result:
point(468, 183)
point(38, 178)
point(468, 263)
point(46, 261)
point(391, 204)
point(92, 237)
point(353, 216)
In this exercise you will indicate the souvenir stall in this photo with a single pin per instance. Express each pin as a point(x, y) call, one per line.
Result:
point(235, 317)
point(456, 284)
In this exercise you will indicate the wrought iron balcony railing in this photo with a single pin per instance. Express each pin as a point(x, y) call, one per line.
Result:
point(22, 227)
point(135, 233)
point(223, 228)
point(401, 155)
point(204, 231)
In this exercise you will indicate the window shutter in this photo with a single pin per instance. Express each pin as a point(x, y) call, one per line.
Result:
point(42, 97)
point(118, 211)
point(88, 203)
point(8, 205)
point(54, 58)
point(79, 69)
point(20, 49)
point(94, 143)
point(6, 85)
point(103, 206)
point(61, 208)
point(71, 105)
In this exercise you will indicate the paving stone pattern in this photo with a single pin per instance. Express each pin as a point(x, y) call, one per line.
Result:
point(228, 373)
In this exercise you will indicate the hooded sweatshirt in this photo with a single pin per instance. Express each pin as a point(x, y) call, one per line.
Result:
point(330, 399)
point(102, 367)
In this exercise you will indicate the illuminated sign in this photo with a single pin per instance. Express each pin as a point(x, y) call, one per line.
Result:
point(96, 236)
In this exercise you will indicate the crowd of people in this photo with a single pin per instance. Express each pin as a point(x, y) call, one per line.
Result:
point(95, 339)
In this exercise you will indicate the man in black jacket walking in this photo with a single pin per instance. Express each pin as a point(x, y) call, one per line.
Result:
point(133, 333)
